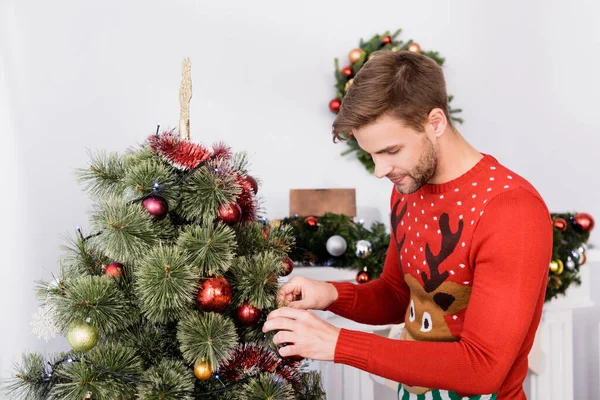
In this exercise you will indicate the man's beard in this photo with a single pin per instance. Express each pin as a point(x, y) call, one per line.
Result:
point(422, 172)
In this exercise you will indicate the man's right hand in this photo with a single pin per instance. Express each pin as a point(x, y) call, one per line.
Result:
point(307, 294)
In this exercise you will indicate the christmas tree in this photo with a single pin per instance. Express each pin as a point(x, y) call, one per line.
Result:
point(165, 296)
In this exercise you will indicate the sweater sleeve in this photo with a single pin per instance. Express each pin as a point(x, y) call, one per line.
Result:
point(381, 301)
point(511, 251)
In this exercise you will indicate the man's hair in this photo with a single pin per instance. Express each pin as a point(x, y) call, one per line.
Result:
point(402, 84)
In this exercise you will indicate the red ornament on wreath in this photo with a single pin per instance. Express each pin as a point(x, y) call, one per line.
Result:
point(252, 184)
point(230, 213)
point(247, 315)
point(560, 224)
point(387, 40)
point(583, 222)
point(347, 70)
point(156, 206)
point(288, 266)
point(334, 105)
point(214, 294)
point(114, 269)
point(363, 276)
point(312, 222)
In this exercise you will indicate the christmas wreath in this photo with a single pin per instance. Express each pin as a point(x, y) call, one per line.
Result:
point(336, 240)
point(357, 58)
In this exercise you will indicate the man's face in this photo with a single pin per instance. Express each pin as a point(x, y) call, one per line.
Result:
point(405, 156)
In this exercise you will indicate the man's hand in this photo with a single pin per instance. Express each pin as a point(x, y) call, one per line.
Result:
point(304, 333)
point(305, 293)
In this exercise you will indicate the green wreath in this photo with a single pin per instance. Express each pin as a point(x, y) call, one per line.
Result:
point(357, 58)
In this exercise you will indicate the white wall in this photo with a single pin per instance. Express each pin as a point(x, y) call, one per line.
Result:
point(83, 75)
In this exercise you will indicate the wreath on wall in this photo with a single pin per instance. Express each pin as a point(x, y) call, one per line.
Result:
point(357, 58)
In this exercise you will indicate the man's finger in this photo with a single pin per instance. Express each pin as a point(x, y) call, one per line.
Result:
point(286, 312)
point(284, 337)
point(291, 350)
point(280, 324)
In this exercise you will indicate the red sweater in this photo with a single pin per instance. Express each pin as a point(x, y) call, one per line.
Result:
point(466, 272)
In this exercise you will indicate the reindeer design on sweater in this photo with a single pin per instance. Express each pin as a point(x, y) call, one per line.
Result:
point(436, 299)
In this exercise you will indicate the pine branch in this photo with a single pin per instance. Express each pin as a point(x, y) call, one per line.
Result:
point(312, 388)
point(240, 162)
point(169, 379)
point(254, 279)
point(90, 376)
point(104, 177)
point(205, 192)
point(269, 387)
point(165, 284)
point(79, 258)
point(210, 248)
point(97, 298)
point(206, 335)
point(31, 380)
point(150, 174)
point(128, 231)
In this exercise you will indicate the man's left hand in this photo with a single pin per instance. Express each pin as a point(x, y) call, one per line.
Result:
point(304, 333)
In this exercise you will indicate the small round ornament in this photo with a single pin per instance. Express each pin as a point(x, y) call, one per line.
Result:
point(557, 266)
point(252, 184)
point(312, 222)
point(364, 248)
point(387, 40)
point(230, 213)
point(414, 47)
point(560, 224)
point(355, 55)
point(82, 336)
point(214, 294)
point(363, 276)
point(334, 105)
point(288, 266)
point(583, 222)
point(203, 370)
point(247, 315)
point(336, 245)
point(156, 206)
point(348, 84)
point(114, 269)
point(347, 70)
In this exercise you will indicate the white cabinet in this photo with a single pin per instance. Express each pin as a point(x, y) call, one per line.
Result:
point(553, 381)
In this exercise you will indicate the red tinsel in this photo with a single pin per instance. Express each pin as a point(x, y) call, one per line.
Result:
point(221, 151)
point(180, 153)
point(249, 358)
point(246, 200)
point(290, 373)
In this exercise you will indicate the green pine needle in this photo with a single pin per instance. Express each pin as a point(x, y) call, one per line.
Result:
point(254, 279)
point(104, 177)
point(210, 248)
point(312, 388)
point(79, 258)
point(206, 335)
point(128, 231)
point(165, 284)
point(269, 387)
point(98, 298)
point(169, 378)
point(205, 192)
point(141, 177)
point(27, 382)
point(87, 375)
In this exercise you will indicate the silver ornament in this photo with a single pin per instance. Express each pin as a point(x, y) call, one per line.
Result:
point(364, 248)
point(336, 245)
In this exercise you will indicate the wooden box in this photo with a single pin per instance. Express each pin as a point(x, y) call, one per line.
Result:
point(306, 202)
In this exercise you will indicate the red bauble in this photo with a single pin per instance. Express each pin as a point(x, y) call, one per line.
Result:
point(363, 277)
point(248, 315)
point(334, 105)
point(230, 213)
point(214, 294)
point(252, 183)
point(156, 206)
point(560, 224)
point(288, 266)
point(387, 40)
point(115, 270)
point(347, 70)
point(583, 222)
point(312, 222)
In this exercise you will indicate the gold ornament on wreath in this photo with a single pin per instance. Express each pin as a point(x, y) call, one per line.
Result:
point(357, 57)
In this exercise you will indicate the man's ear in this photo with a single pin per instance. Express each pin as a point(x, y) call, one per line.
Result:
point(437, 121)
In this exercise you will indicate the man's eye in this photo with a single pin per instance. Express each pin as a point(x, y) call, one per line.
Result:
point(392, 152)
